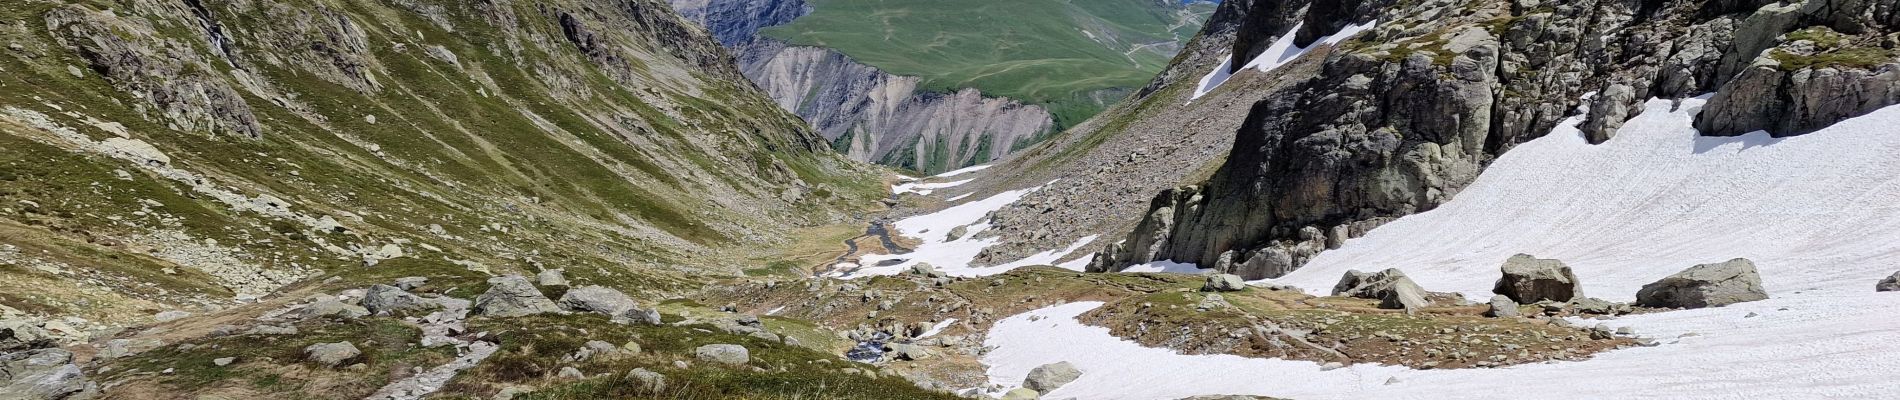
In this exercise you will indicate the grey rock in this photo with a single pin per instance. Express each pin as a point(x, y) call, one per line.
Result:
point(331, 309)
point(272, 330)
point(637, 315)
point(118, 348)
point(385, 299)
point(925, 270)
point(22, 335)
point(1592, 305)
point(1391, 287)
point(1706, 285)
point(223, 361)
point(331, 354)
point(570, 373)
point(171, 315)
point(1223, 283)
point(904, 351)
point(729, 354)
point(596, 299)
point(647, 381)
point(1529, 279)
point(43, 374)
point(512, 296)
point(552, 277)
point(1501, 306)
point(1890, 284)
point(1048, 377)
point(1021, 394)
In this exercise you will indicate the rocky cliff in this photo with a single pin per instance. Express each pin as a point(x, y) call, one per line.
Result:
point(865, 113)
point(1396, 120)
point(192, 156)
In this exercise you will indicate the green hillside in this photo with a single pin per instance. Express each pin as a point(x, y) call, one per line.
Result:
point(1043, 51)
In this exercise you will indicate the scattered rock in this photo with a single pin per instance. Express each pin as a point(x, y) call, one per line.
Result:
point(512, 296)
point(172, 315)
point(649, 381)
point(1502, 306)
point(43, 374)
point(729, 354)
point(117, 348)
point(570, 373)
point(1706, 285)
point(331, 309)
point(272, 330)
point(638, 315)
point(596, 299)
point(223, 361)
point(331, 354)
point(1592, 305)
point(1529, 279)
point(552, 277)
point(1048, 377)
point(1224, 283)
point(1891, 284)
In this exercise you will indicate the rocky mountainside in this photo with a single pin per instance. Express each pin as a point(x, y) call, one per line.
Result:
point(164, 158)
point(1396, 120)
point(869, 114)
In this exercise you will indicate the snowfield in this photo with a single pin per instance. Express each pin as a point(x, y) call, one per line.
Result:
point(1282, 51)
point(953, 257)
point(1819, 214)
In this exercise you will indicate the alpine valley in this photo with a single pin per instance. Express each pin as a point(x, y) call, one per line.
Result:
point(944, 199)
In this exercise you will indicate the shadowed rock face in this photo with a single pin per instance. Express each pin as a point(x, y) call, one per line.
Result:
point(878, 117)
point(1401, 118)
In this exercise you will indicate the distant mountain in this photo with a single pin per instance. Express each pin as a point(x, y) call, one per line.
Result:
point(910, 103)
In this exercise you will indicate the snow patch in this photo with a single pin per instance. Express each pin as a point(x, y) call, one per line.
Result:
point(938, 328)
point(953, 257)
point(1817, 213)
point(1279, 53)
point(924, 188)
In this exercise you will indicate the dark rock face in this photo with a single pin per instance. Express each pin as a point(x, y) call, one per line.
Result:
point(737, 21)
point(1706, 285)
point(1399, 119)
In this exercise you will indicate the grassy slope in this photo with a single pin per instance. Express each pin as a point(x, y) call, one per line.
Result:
point(1034, 50)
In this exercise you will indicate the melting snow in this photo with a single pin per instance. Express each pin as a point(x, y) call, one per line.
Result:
point(1819, 214)
point(938, 328)
point(1279, 53)
point(953, 257)
point(965, 170)
point(924, 188)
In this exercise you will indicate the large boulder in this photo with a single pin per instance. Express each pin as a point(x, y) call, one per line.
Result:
point(1021, 394)
point(1706, 285)
point(596, 299)
point(1891, 284)
point(331, 354)
point(42, 374)
point(1224, 283)
point(385, 299)
point(729, 354)
point(1391, 287)
point(1048, 377)
point(512, 296)
point(1530, 279)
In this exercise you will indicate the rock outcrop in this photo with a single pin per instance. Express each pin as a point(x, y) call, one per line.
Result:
point(1889, 284)
point(729, 354)
point(1391, 287)
point(1706, 285)
point(1397, 120)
